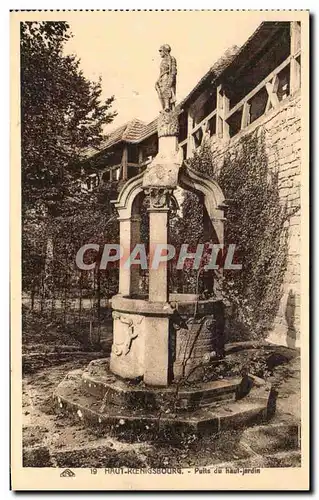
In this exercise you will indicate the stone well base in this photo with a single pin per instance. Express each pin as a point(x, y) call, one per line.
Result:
point(97, 397)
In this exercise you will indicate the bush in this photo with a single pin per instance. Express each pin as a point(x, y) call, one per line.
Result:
point(257, 223)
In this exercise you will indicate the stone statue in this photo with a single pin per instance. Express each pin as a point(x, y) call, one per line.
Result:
point(166, 83)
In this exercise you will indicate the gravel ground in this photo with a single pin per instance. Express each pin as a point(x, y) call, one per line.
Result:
point(51, 439)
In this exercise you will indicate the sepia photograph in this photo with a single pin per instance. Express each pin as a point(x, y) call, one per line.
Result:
point(159, 213)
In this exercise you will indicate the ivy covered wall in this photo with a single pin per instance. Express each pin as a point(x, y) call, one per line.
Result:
point(259, 171)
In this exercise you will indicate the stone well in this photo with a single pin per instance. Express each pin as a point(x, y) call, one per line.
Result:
point(190, 341)
point(164, 336)
point(153, 381)
point(153, 385)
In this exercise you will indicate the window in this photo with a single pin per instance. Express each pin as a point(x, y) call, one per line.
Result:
point(132, 171)
point(258, 104)
point(211, 125)
point(198, 137)
point(210, 104)
point(92, 182)
point(106, 177)
point(184, 149)
point(203, 106)
point(182, 119)
point(132, 153)
point(149, 147)
point(234, 122)
point(283, 83)
point(259, 66)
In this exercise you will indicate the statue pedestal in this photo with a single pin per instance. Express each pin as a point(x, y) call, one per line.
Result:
point(145, 342)
point(164, 169)
point(167, 124)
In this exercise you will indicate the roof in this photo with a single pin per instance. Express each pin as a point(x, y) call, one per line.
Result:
point(132, 132)
point(150, 129)
point(129, 132)
point(256, 43)
point(237, 57)
point(234, 59)
point(213, 73)
point(136, 131)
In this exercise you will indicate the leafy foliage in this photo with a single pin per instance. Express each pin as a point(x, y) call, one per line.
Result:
point(61, 113)
point(257, 221)
point(189, 228)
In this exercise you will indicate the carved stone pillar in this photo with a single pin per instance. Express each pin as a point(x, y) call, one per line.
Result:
point(157, 345)
point(158, 223)
point(125, 243)
point(129, 237)
point(156, 368)
point(135, 239)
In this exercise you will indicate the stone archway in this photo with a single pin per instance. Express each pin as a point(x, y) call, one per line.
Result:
point(128, 207)
point(145, 324)
point(213, 197)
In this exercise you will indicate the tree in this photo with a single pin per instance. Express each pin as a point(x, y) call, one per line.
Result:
point(256, 222)
point(61, 113)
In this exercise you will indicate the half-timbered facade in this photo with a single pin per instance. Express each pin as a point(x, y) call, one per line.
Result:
point(234, 95)
point(253, 87)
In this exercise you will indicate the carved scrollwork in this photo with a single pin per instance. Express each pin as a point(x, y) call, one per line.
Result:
point(159, 197)
point(125, 347)
point(167, 124)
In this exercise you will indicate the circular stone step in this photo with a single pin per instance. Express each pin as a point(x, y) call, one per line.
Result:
point(146, 422)
point(98, 381)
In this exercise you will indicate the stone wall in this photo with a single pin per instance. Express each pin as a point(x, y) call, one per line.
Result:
point(282, 129)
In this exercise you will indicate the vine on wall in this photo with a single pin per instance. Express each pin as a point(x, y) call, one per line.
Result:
point(257, 223)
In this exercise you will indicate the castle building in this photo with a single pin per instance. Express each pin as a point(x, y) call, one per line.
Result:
point(255, 87)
